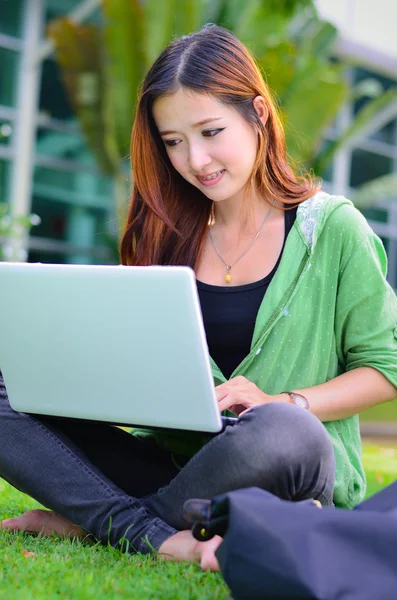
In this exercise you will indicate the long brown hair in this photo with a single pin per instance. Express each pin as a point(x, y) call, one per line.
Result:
point(168, 216)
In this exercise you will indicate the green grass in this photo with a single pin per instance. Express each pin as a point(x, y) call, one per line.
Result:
point(383, 412)
point(77, 571)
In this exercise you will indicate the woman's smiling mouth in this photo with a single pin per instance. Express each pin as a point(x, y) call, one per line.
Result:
point(211, 179)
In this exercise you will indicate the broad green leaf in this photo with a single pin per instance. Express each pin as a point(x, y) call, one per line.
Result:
point(125, 65)
point(262, 29)
point(317, 40)
point(278, 67)
point(239, 13)
point(363, 118)
point(287, 7)
point(188, 16)
point(79, 54)
point(317, 97)
point(262, 24)
point(258, 23)
point(158, 26)
point(233, 10)
point(381, 188)
point(242, 15)
point(213, 11)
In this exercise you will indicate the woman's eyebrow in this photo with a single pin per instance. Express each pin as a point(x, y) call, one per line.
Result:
point(195, 125)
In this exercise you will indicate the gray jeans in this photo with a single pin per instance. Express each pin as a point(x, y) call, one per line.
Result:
point(115, 486)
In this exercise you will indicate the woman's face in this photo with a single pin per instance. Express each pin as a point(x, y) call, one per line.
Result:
point(209, 143)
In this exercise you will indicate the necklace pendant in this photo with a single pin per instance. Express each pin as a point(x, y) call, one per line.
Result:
point(228, 277)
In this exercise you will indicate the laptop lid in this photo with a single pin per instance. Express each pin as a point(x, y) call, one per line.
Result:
point(119, 344)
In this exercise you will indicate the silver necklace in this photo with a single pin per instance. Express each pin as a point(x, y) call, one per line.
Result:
point(228, 276)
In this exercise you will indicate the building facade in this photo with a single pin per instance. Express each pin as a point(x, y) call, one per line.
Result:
point(368, 45)
point(46, 167)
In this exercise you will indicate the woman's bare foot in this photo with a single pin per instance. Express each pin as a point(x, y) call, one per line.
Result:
point(184, 547)
point(44, 522)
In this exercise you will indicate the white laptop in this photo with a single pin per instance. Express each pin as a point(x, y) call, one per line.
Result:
point(125, 345)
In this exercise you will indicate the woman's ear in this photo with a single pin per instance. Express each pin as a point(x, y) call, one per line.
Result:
point(261, 109)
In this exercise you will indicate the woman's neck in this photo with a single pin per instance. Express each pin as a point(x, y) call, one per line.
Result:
point(235, 217)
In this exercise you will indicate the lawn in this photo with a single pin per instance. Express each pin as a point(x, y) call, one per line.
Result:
point(42, 569)
point(383, 412)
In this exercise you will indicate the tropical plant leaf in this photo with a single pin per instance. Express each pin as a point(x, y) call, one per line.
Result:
point(357, 128)
point(230, 12)
point(278, 67)
point(309, 60)
point(125, 65)
point(318, 94)
point(188, 16)
point(259, 23)
point(288, 7)
point(316, 39)
point(158, 26)
point(78, 52)
point(372, 192)
point(213, 11)
point(261, 28)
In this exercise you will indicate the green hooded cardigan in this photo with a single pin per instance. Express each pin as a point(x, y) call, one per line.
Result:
point(328, 310)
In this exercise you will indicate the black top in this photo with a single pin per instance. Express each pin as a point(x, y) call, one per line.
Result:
point(229, 313)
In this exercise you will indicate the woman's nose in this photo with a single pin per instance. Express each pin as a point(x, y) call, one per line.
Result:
point(198, 158)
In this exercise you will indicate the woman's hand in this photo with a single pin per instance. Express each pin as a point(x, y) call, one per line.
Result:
point(239, 394)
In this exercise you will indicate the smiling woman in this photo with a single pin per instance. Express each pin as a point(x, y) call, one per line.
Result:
point(205, 157)
point(299, 319)
point(205, 111)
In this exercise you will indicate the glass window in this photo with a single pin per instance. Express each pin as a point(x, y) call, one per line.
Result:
point(59, 8)
point(376, 214)
point(53, 217)
point(54, 183)
point(4, 181)
point(327, 173)
point(53, 99)
point(46, 256)
point(367, 166)
point(74, 207)
point(11, 17)
point(9, 60)
point(387, 133)
point(62, 144)
point(6, 131)
point(73, 187)
point(75, 227)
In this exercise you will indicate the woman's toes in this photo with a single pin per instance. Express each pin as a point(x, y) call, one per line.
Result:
point(208, 560)
point(44, 522)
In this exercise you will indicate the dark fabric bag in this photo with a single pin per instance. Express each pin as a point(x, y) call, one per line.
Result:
point(275, 549)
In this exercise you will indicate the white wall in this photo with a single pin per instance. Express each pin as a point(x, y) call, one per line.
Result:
point(371, 23)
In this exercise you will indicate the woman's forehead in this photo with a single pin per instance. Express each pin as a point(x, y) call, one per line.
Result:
point(187, 109)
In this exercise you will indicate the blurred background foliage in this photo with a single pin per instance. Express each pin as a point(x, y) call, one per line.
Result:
point(12, 227)
point(103, 67)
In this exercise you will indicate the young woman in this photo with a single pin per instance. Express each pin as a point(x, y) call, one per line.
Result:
point(300, 322)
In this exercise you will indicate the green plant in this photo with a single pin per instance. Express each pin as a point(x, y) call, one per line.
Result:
point(103, 66)
point(11, 228)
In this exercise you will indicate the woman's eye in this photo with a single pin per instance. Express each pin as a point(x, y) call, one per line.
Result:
point(212, 132)
point(171, 143)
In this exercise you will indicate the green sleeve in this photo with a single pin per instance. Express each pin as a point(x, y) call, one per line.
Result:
point(366, 311)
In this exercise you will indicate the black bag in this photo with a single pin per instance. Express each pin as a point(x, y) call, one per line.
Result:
point(275, 549)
